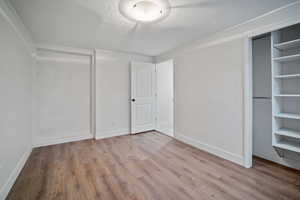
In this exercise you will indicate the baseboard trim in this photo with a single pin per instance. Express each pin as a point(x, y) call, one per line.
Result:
point(166, 132)
point(61, 140)
point(113, 133)
point(14, 175)
point(211, 149)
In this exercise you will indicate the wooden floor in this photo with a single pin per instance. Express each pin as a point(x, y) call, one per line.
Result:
point(147, 166)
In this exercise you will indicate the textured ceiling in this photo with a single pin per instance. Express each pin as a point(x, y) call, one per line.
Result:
point(98, 23)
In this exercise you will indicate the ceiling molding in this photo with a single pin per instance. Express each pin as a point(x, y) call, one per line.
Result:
point(102, 54)
point(62, 59)
point(11, 16)
point(64, 49)
point(262, 16)
point(55, 53)
point(273, 20)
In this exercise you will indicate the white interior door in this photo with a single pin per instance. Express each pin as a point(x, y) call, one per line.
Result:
point(142, 97)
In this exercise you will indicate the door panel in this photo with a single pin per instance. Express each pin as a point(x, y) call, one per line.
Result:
point(143, 97)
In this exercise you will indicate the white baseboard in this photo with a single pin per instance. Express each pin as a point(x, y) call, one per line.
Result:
point(59, 140)
point(168, 132)
point(113, 133)
point(211, 149)
point(14, 175)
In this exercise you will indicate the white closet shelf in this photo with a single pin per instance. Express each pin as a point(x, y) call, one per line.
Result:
point(288, 76)
point(287, 58)
point(288, 115)
point(291, 146)
point(288, 136)
point(288, 45)
point(288, 132)
point(287, 95)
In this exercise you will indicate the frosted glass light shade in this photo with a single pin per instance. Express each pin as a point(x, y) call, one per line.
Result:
point(144, 11)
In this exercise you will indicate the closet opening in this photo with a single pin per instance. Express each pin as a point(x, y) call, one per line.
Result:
point(276, 97)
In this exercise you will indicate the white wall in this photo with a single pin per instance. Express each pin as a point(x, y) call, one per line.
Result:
point(61, 98)
point(112, 98)
point(209, 98)
point(165, 97)
point(113, 93)
point(15, 105)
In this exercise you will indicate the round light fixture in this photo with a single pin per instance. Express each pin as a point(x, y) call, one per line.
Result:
point(144, 11)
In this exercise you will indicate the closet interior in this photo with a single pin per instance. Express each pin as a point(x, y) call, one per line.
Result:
point(276, 94)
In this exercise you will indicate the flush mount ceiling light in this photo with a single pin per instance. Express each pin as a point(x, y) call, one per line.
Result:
point(144, 11)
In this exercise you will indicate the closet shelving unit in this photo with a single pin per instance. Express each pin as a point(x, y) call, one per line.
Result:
point(288, 45)
point(288, 76)
point(285, 46)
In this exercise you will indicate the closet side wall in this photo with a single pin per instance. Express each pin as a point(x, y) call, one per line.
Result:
point(262, 103)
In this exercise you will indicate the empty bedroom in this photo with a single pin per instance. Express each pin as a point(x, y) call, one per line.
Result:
point(149, 99)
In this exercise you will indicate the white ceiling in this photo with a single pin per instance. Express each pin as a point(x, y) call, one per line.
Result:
point(98, 23)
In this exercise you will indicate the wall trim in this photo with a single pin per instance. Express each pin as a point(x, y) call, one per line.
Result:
point(4, 191)
point(93, 104)
point(63, 59)
point(211, 149)
point(247, 103)
point(167, 132)
point(102, 54)
point(262, 16)
point(113, 133)
point(64, 49)
point(60, 140)
point(116, 53)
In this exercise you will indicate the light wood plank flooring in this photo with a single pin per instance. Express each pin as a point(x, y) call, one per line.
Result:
point(147, 166)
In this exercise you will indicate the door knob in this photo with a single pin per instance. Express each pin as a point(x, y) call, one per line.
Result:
point(133, 100)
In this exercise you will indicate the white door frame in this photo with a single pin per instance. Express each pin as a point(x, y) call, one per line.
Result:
point(248, 90)
point(248, 104)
